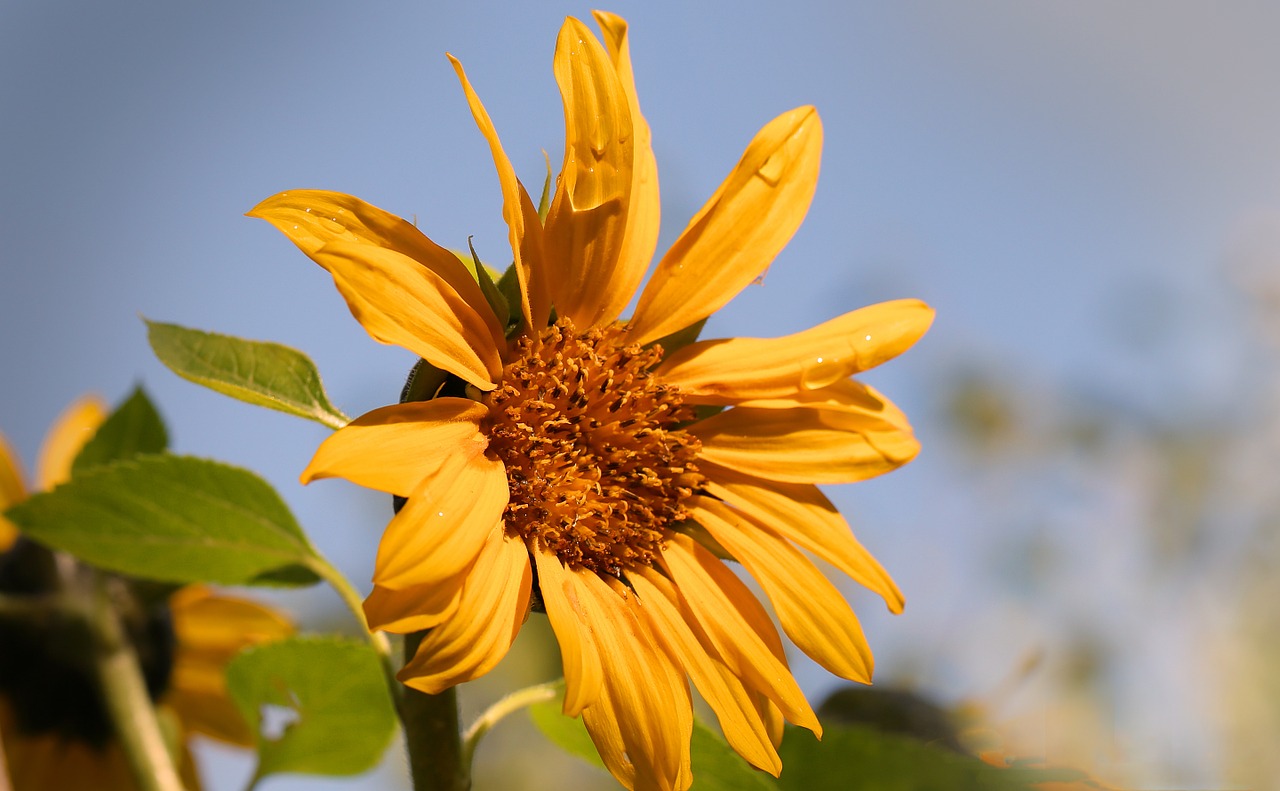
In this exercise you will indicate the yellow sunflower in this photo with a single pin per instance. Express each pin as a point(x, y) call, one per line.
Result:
point(567, 456)
point(46, 749)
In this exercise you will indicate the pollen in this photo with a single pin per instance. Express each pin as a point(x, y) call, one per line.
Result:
point(597, 467)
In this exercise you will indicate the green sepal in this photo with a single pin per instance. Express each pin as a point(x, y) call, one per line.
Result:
point(544, 203)
point(680, 338)
point(174, 519)
point(256, 372)
point(497, 301)
point(509, 286)
point(335, 695)
point(134, 427)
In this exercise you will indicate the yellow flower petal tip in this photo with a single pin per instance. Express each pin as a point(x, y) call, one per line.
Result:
point(569, 450)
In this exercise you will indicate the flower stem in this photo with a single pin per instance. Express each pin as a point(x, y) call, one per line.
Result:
point(431, 735)
point(125, 693)
point(521, 698)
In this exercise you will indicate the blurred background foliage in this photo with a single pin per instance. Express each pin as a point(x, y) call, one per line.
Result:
point(1089, 194)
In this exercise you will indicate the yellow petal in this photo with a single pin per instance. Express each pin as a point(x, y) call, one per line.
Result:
point(414, 608)
point(314, 218)
point(849, 397)
point(572, 618)
point(730, 622)
point(491, 609)
point(12, 491)
point(739, 720)
point(394, 448)
point(735, 236)
point(813, 613)
point(588, 219)
point(440, 530)
point(803, 445)
point(644, 207)
point(643, 720)
point(803, 514)
point(73, 428)
point(210, 629)
point(738, 369)
point(523, 226)
point(399, 302)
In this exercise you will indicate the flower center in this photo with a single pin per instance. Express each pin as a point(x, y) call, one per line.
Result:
point(596, 468)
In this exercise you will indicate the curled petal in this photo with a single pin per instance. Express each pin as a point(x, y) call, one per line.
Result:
point(442, 527)
point(74, 427)
point(573, 619)
point(813, 613)
point(643, 720)
point(490, 611)
point(735, 236)
point(802, 514)
point(588, 218)
point(740, 369)
point(399, 302)
point(413, 608)
point(394, 448)
point(523, 225)
point(734, 626)
point(741, 723)
point(312, 219)
point(804, 445)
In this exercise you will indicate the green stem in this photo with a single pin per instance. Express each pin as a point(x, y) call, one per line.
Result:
point(520, 699)
point(125, 693)
point(355, 603)
point(431, 735)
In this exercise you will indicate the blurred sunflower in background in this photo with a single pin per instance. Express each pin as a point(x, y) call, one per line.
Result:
point(604, 469)
point(53, 724)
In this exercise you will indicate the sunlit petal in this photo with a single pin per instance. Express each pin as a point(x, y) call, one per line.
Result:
point(523, 225)
point(442, 527)
point(813, 613)
point(738, 369)
point(395, 448)
point(735, 236)
point(804, 445)
point(413, 608)
point(573, 618)
point(803, 514)
point(587, 222)
point(399, 302)
point(312, 219)
point(739, 720)
point(490, 611)
point(729, 621)
point(644, 706)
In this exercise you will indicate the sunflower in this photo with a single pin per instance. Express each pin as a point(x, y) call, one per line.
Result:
point(52, 725)
point(569, 461)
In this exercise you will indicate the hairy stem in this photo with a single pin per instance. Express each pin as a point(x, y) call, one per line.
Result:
point(431, 735)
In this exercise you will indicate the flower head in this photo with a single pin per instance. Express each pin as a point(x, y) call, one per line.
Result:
point(571, 453)
point(53, 728)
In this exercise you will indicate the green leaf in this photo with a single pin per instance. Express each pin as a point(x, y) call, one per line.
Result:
point(335, 695)
point(716, 767)
point(861, 758)
point(174, 519)
point(134, 427)
point(257, 372)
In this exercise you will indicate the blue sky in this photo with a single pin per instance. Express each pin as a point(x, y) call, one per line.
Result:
point(1063, 182)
